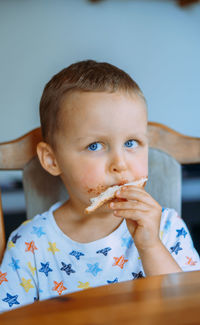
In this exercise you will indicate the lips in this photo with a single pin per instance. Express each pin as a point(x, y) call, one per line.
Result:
point(120, 183)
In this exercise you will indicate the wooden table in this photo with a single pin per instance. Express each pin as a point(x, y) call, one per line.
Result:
point(166, 299)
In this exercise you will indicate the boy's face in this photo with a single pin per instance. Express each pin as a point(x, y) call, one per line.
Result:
point(102, 141)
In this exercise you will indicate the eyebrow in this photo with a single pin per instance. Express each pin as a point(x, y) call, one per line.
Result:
point(132, 135)
point(141, 136)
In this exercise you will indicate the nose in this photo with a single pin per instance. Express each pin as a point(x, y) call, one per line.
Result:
point(117, 163)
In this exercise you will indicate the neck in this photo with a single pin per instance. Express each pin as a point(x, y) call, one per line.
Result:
point(84, 227)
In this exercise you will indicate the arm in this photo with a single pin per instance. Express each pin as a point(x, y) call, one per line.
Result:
point(177, 239)
point(158, 260)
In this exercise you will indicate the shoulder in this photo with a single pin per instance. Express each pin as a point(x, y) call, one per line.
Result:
point(31, 229)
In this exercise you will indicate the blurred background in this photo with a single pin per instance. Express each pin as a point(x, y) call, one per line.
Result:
point(156, 41)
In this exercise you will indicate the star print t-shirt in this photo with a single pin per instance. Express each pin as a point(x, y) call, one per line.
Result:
point(42, 262)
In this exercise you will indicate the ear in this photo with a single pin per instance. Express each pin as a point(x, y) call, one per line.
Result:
point(47, 158)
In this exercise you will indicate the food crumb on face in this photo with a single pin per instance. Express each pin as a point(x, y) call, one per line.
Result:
point(96, 191)
point(101, 188)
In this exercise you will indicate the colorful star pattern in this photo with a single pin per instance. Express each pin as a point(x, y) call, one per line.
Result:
point(10, 244)
point(59, 287)
point(190, 261)
point(38, 231)
point(114, 281)
point(181, 232)
point(3, 277)
point(104, 251)
point(137, 275)
point(39, 260)
point(45, 268)
point(25, 222)
point(31, 268)
point(93, 269)
point(52, 248)
point(76, 254)
point(83, 285)
point(26, 284)
point(120, 261)
point(11, 300)
point(175, 249)
point(67, 268)
point(167, 225)
point(30, 247)
point(127, 242)
point(14, 264)
point(15, 238)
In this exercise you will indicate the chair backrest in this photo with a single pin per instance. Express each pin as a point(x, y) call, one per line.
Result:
point(168, 150)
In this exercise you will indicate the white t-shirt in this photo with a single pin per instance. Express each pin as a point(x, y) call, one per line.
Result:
point(42, 262)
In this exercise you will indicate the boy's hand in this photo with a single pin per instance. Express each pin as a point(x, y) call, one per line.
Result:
point(142, 214)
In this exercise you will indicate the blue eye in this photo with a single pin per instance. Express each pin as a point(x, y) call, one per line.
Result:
point(131, 144)
point(96, 146)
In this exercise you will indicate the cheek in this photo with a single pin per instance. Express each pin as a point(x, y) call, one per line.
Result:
point(90, 177)
point(139, 167)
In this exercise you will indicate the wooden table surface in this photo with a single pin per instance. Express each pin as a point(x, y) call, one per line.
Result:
point(165, 299)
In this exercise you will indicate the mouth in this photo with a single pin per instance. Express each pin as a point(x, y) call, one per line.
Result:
point(120, 183)
point(101, 188)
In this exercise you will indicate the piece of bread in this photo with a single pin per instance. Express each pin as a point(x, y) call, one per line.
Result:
point(109, 194)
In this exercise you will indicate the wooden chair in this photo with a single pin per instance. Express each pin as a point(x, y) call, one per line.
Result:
point(168, 150)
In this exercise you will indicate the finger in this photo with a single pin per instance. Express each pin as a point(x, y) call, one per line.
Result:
point(135, 195)
point(139, 194)
point(135, 215)
point(129, 205)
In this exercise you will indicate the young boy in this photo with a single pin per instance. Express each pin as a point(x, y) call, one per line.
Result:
point(94, 124)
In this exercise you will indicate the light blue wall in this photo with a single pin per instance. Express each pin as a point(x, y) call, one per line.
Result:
point(157, 42)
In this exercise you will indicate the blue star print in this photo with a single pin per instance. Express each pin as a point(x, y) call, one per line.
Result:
point(38, 231)
point(93, 269)
point(175, 249)
point(11, 300)
point(114, 281)
point(127, 242)
point(45, 268)
point(181, 232)
point(67, 268)
point(167, 225)
point(76, 254)
point(14, 264)
point(15, 238)
point(104, 251)
point(137, 275)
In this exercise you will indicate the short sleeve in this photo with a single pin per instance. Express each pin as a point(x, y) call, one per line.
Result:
point(177, 239)
point(17, 275)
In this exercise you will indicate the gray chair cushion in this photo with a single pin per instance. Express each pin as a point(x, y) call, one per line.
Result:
point(164, 184)
point(164, 180)
point(41, 189)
